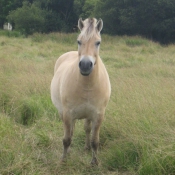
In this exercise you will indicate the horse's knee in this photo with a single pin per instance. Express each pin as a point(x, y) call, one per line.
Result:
point(94, 145)
point(66, 142)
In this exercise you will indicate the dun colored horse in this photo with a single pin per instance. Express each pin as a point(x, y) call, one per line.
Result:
point(80, 88)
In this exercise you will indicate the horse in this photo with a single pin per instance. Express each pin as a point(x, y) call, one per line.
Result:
point(80, 88)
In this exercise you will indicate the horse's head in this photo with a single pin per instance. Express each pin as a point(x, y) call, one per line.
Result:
point(88, 44)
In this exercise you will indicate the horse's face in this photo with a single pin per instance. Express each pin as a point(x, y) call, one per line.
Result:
point(88, 44)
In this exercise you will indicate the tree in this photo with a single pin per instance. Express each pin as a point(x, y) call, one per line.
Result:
point(5, 7)
point(151, 18)
point(85, 8)
point(59, 14)
point(53, 22)
point(63, 9)
point(164, 26)
point(108, 10)
point(28, 19)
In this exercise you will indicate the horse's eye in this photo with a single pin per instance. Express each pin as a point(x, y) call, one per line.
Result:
point(97, 43)
point(79, 43)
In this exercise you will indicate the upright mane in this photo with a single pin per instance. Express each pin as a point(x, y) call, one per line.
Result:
point(89, 29)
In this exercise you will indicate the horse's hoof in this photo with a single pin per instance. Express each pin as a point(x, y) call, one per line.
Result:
point(62, 160)
point(94, 162)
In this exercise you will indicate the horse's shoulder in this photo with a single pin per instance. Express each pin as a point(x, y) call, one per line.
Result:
point(69, 54)
point(66, 57)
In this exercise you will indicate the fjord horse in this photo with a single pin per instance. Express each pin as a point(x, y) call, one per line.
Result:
point(80, 88)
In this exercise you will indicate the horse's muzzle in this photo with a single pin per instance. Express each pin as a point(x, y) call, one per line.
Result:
point(86, 66)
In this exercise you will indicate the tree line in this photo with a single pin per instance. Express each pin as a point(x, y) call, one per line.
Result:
point(153, 19)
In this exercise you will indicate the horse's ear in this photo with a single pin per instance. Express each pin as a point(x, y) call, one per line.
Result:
point(80, 24)
point(99, 25)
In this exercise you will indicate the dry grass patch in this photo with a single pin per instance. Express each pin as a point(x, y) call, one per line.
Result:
point(137, 136)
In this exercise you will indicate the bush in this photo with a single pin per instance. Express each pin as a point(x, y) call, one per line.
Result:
point(33, 108)
point(13, 33)
point(28, 19)
point(52, 22)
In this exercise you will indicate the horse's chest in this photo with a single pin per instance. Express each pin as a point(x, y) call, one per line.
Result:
point(84, 102)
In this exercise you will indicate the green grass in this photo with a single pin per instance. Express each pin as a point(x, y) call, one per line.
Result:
point(11, 33)
point(137, 136)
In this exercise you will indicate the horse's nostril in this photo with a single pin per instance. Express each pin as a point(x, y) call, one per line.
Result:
point(80, 64)
point(85, 66)
point(91, 64)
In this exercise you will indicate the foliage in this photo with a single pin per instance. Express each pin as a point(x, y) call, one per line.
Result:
point(28, 19)
point(53, 22)
point(6, 6)
point(59, 14)
point(85, 8)
point(152, 18)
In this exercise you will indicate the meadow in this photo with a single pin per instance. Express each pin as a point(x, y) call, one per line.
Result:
point(138, 134)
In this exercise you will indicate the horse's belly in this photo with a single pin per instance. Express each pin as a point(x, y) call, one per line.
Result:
point(83, 111)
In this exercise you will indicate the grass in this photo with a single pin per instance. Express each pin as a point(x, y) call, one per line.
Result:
point(10, 33)
point(137, 136)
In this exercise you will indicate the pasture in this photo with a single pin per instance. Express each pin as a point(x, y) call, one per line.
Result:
point(137, 136)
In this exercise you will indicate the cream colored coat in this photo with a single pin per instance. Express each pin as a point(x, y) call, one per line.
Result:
point(82, 97)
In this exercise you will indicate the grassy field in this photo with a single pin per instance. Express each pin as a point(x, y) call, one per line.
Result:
point(138, 134)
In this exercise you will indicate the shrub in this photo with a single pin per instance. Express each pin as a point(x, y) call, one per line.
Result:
point(28, 19)
point(13, 33)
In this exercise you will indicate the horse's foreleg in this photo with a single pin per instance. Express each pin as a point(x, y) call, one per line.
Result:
point(68, 132)
point(95, 139)
point(87, 128)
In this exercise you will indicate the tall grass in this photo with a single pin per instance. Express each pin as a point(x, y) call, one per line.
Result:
point(137, 136)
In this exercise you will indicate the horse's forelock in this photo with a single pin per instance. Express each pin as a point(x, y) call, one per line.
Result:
point(89, 28)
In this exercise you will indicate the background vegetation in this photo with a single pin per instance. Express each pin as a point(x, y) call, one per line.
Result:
point(137, 136)
point(153, 19)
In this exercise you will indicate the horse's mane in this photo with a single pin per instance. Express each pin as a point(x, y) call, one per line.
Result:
point(89, 29)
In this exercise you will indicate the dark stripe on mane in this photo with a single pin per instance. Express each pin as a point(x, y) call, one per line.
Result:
point(90, 26)
point(89, 29)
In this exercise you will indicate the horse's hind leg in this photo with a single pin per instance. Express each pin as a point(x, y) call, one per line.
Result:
point(87, 128)
point(68, 132)
point(95, 139)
